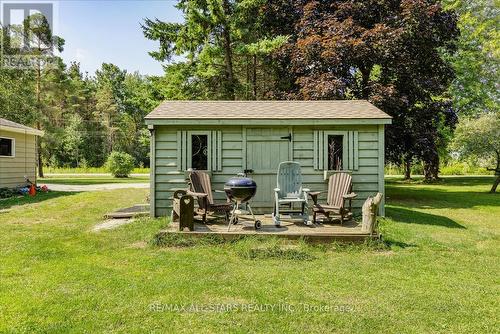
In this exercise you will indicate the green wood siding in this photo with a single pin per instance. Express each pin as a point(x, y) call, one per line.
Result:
point(237, 146)
point(365, 178)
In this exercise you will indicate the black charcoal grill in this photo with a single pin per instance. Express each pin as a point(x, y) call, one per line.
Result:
point(241, 190)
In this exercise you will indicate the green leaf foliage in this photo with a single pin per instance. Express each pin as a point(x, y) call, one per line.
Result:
point(479, 138)
point(477, 60)
point(120, 164)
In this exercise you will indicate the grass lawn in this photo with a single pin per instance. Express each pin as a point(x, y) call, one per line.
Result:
point(438, 271)
point(90, 179)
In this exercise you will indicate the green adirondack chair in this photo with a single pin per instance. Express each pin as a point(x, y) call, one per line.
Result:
point(289, 191)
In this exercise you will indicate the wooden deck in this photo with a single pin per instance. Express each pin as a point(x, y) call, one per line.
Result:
point(290, 229)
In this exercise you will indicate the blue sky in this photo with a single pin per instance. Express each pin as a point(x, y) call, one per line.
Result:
point(98, 31)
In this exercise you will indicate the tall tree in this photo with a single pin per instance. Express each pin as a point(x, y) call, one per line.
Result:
point(477, 61)
point(72, 141)
point(81, 100)
point(17, 98)
point(480, 138)
point(224, 43)
point(205, 33)
point(140, 98)
point(84, 117)
point(106, 111)
point(389, 52)
point(37, 40)
point(54, 88)
point(110, 76)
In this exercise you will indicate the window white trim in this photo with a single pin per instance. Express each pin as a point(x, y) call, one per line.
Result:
point(13, 147)
point(184, 142)
point(350, 149)
point(189, 147)
point(345, 148)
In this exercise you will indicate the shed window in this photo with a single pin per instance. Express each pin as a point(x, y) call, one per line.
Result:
point(199, 152)
point(335, 152)
point(7, 147)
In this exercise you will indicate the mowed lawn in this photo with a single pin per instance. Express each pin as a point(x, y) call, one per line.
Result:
point(437, 272)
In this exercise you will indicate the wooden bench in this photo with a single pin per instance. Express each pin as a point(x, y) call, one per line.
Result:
point(183, 209)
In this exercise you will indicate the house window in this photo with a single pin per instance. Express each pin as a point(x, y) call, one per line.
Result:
point(199, 152)
point(7, 147)
point(335, 151)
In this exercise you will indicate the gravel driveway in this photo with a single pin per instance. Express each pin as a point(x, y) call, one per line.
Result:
point(97, 187)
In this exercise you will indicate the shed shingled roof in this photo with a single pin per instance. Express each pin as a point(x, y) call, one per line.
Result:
point(333, 109)
point(6, 124)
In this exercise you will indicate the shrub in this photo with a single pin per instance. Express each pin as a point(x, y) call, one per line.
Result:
point(462, 168)
point(417, 168)
point(7, 192)
point(120, 164)
point(450, 168)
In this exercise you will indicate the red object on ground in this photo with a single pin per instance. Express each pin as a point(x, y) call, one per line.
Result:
point(32, 191)
point(45, 188)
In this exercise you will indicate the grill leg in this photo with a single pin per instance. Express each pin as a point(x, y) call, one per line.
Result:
point(250, 209)
point(276, 216)
point(233, 216)
point(257, 223)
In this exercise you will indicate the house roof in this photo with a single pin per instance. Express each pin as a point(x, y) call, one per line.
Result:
point(267, 110)
point(7, 125)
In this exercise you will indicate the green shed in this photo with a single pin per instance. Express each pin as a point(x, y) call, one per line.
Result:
point(228, 137)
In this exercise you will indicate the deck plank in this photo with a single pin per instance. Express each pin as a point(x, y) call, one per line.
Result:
point(290, 229)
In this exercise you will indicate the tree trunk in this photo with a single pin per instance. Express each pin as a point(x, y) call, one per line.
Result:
point(431, 168)
point(247, 71)
point(497, 173)
point(495, 184)
point(407, 167)
point(228, 54)
point(38, 124)
point(254, 77)
point(39, 156)
point(365, 77)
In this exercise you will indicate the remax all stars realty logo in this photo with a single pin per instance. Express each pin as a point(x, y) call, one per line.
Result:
point(28, 39)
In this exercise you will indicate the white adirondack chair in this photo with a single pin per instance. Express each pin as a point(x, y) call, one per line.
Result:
point(289, 191)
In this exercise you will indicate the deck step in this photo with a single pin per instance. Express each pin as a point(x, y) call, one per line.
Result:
point(138, 210)
point(124, 215)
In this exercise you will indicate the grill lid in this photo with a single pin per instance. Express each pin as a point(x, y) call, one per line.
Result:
point(240, 182)
point(240, 189)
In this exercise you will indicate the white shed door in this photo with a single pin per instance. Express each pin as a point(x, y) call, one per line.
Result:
point(266, 148)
